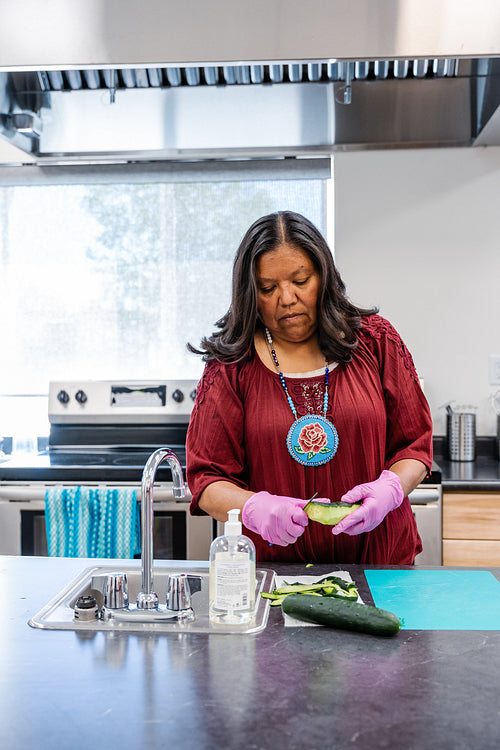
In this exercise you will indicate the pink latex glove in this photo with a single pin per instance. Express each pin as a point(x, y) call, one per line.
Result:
point(278, 519)
point(378, 497)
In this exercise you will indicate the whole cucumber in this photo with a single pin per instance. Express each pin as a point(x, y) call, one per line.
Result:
point(341, 613)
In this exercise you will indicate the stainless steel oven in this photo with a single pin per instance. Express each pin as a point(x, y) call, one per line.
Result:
point(101, 435)
point(176, 534)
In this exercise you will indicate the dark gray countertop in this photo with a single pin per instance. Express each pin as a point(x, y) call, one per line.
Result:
point(312, 688)
point(482, 474)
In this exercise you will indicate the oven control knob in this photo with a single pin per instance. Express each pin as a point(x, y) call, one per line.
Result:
point(178, 396)
point(81, 397)
point(63, 397)
point(192, 395)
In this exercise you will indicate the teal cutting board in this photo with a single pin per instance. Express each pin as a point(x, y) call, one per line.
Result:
point(438, 599)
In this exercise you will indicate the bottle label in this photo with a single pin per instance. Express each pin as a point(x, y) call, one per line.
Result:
point(232, 584)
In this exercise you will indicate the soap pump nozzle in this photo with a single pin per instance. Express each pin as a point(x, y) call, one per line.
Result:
point(232, 526)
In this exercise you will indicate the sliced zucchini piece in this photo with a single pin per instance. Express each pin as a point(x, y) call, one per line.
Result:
point(329, 514)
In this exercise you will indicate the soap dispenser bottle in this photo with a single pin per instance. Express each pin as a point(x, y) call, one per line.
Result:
point(232, 575)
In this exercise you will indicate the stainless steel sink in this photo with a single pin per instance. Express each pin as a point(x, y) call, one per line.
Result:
point(59, 614)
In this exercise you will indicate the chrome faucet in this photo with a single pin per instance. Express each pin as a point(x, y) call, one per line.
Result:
point(113, 585)
point(147, 599)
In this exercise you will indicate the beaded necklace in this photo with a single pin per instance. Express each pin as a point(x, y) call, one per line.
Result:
point(312, 440)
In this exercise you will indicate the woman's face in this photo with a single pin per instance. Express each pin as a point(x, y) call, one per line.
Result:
point(287, 293)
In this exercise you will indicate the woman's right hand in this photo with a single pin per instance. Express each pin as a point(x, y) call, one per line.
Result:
point(278, 519)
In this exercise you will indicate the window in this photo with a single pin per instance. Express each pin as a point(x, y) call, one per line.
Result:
point(111, 279)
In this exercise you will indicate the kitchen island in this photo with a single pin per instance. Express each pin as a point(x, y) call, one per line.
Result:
point(306, 687)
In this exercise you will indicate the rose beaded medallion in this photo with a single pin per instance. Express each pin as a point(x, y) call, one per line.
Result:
point(312, 440)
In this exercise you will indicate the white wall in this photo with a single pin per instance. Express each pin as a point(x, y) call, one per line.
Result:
point(417, 233)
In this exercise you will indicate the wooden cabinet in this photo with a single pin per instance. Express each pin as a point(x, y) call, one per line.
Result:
point(471, 528)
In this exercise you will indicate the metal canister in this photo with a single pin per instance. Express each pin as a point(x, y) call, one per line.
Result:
point(461, 431)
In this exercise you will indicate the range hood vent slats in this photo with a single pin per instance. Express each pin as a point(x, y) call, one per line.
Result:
point(401, 68)
point(56, 80)
point(361, 70)
point(242, 74)
point(128, 78)
point(295, 72)
point(257, 73)
point(142, 78)
point(193, 76)
point(420, 68)
point(110, 78)
point(92, 78)
point(211, 75)
point(276, 73)
point(381, 68)
point(314, 71)
point(155, 77)
point(174, 77)
point(74, 78)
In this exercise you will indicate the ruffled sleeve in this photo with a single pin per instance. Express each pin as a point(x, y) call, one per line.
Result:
point(409, 422)
point(214, 444)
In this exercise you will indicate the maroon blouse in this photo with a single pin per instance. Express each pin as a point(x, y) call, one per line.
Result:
point(241, 419)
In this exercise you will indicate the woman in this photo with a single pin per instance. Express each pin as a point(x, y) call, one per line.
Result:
point(305, 393)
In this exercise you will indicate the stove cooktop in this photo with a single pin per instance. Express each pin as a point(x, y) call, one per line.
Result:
point(84, 466)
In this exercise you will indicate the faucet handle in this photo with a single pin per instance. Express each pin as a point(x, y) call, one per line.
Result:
point(113, 587)
point(180, 586)
point(194, 583)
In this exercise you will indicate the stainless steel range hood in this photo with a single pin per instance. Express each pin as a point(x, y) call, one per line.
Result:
point(98, 80)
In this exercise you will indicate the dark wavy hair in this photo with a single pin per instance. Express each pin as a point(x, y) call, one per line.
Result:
point(338, 319)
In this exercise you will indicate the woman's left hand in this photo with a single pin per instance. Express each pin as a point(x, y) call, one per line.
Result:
point(378, 498)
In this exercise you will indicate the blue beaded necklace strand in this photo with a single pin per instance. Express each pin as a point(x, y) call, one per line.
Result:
point(312, 440)
point(283, 382)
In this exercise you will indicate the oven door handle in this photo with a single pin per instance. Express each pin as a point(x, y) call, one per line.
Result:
point(27, 493)
point(33, 492)
point(423, 495)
